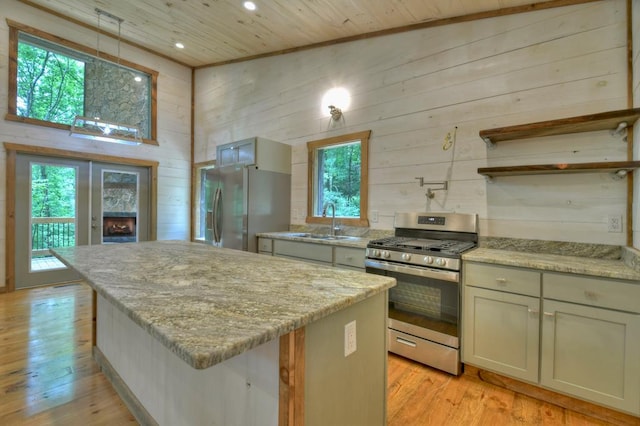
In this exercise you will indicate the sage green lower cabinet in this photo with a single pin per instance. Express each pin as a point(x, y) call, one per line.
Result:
point(501, 319)
point(349, 258)
point(315, 253)
point(265, 246)
point(580, 336)
point(592, 352)
point(324, 254)
point(501, 332)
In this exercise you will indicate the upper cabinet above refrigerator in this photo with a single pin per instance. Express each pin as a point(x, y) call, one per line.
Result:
point(263, 153)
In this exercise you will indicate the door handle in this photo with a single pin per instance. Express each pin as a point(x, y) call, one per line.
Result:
point(216, 215)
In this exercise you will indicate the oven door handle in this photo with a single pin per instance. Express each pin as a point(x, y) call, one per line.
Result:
point(437, 274)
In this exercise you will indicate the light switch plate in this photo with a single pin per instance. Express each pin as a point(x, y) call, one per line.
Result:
point(350, 338)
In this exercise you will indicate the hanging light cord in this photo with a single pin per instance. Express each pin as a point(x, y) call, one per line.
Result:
point(98, 37)
point(119, 24)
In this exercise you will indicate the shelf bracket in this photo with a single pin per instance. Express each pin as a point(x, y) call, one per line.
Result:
point(619, 174)
point(488, 178)
point(489, 142)
point(620, 131)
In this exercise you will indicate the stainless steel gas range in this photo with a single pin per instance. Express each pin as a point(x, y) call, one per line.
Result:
point(424, 256)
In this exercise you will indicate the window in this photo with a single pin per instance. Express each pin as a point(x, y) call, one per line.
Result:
point(338, 169)
point(51, 81)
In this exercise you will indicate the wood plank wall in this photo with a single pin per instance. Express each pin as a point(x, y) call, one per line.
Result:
point(412, 89)
point(174, 109)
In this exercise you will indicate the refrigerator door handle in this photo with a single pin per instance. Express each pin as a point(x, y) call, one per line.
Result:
point(216, 215)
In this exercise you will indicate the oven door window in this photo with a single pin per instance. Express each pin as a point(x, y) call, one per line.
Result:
point(424, 302)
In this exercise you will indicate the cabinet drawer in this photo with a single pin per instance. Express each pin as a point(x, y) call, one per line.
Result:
point(504, 278)
point(350, 257)
point(593, 291)
point(316, 252)
point(265, 245)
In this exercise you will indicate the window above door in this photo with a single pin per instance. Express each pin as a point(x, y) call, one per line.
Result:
point(52, 80)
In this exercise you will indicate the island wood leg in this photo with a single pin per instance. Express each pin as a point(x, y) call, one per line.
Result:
point(291, 371)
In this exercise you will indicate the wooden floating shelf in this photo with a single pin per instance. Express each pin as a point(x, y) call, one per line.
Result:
point(538, 169)
point(584, 123)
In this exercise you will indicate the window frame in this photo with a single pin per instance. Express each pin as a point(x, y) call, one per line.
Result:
point(312, 149)
point(196, 197)
point(15, 28)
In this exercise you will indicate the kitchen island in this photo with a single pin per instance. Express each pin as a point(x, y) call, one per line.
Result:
point(193, 334)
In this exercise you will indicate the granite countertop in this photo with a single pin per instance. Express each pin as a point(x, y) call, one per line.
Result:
point(609, 268)
point(208, 304)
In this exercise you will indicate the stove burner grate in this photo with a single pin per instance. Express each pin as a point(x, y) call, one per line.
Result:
point(422, 244)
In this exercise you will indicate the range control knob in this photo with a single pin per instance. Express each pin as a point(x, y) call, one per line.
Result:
point(406, 257)
point(441, 262)
point(428, 260)
point(375, 253)
point(386, 254)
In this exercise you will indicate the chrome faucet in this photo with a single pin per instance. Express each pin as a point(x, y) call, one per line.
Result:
point(333, 217)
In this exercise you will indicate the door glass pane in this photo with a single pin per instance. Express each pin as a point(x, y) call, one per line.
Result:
point(119, 206)
point(53, 213)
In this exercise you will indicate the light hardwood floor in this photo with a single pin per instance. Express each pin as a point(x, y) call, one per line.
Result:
point(47, 376)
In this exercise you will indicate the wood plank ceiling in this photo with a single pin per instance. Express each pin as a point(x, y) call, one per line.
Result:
point(220, 31)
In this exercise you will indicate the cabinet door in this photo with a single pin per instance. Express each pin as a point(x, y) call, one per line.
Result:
point(316, 253)
point(350, 258)
point(265, 245)
point(243, 152)
point(592, 353)
point(501, 332)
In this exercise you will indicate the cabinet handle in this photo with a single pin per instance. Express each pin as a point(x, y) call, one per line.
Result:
point(591, 294)
point(549, 314)
point(533, 311)
point(406, 342)
point(501, 281)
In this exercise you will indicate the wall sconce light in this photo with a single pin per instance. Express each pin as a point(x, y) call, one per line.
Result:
point(336, 101)
point(100, 130)
point(335, 112)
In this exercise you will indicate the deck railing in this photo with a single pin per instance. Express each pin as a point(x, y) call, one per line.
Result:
point(52, 232)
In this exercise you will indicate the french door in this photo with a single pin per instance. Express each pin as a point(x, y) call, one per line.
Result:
point(65, 202)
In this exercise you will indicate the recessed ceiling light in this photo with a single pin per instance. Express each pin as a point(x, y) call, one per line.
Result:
point(138, 78)
point(179, 45)
point(249, 5)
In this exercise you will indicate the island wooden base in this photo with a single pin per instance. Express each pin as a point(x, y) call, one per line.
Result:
point(597, 411)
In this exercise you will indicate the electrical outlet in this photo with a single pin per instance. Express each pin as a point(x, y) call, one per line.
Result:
point(614, 223)
point(374, 216)
point(349, 338)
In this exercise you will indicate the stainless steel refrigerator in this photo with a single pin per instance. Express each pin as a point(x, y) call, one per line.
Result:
point(240, 201)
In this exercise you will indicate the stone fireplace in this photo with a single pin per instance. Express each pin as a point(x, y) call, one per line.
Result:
point(120, 206)
point(119, 227)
